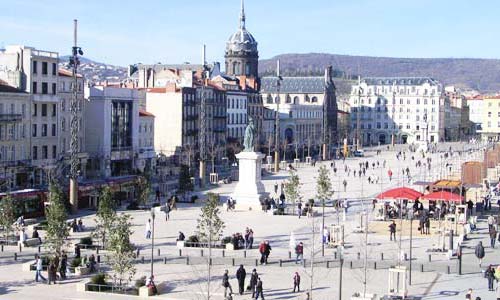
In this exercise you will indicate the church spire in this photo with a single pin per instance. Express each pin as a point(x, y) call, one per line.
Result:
point(242, 15)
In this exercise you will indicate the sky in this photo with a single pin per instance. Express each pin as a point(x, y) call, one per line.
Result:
point(123, 32)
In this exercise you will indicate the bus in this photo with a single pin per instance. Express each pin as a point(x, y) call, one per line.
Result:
point(29, 202)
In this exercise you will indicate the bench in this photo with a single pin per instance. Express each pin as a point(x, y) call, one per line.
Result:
point(33, 242)
point(144, 291)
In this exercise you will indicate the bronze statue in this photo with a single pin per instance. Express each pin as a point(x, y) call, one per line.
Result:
point(248, 142)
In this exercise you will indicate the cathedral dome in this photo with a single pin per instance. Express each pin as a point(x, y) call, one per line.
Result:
point(241, 40)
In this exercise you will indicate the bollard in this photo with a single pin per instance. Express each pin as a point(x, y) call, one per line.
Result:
point(210, 261)
point(2, 248)
point(289, 254)
point(350, 264)
point(448, 270)
point(304, 262)
point(281, 263)
point(187, 260)
point(233, 261)
point(180, 252)
point(359, 255)
point(430, 258)
point(223, 253)
point(374, 265)
point(256, 262)
point(335, 255)
point(165, 260)
point(15, 256)
point(20, 248)
point(98, 258)
point(328, 264)
point(39, 249)
point(421, 267)
point(382, 256)
point(158, 251)
point(138, 252)
point(97, 250)
point(405, 257)
point(201, 252)
point(244, 253)
point(142, 259)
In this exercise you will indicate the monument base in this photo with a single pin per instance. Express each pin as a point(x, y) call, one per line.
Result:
point(249, 191)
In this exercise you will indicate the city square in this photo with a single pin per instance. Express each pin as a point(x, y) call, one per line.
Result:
point(187, 163)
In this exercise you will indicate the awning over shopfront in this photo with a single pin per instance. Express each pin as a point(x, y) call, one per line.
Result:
point(401, 193)
point(443, 196)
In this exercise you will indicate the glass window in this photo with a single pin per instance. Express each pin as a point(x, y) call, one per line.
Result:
point(54, 110)
point(35, 87)
point(44, 129)
point(33, 130)
point(44, 68)
point(45, 150)
point(35, 152)
point(45, 88)
point(35, 67)
point(54, 87)
point(53, 129)
point(44, 110)
point(54, 151)
point(54, 68)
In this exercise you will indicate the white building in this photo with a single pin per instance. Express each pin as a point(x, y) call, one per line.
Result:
point(406, 109)
point(111, 130)
point(476, 111)
point(237, 120)
point(146, 161)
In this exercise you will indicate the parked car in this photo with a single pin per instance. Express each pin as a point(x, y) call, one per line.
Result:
point(359, 153)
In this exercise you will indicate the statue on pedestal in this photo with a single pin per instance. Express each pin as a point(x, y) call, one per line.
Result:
point(248, 142)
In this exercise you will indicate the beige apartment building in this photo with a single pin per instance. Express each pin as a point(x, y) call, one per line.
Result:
point(14, 138)
point(491, 118)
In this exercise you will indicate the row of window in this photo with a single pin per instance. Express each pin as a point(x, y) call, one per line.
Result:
point(489, 114)
point(3, 109)
point(393, 126)
point(8, 153)
point(44, 108)
point(489, 124)
point(12, 132)
point(288, 99)
point(401, 101)
point(401, 91)
point(44, 152)
point(386, 109)
point(237, 103)
point(145, 142)
point(45, 68)
point(43, 130)
point(45, 88)
point(237, 119)
point(145, 128)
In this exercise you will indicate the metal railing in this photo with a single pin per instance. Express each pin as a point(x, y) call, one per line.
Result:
point(109, 288)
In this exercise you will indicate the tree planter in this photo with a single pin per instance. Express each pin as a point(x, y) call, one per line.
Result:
point(89, 287)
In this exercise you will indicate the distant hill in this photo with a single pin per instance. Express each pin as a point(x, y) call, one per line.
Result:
point(478, 74)
point(96, 71)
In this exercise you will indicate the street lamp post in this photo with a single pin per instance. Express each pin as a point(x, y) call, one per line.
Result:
point(277, 121)
point(341, 260)
point(411, 245)
point(152, 239)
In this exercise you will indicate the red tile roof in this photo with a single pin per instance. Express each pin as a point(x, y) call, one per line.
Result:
point(143, 113)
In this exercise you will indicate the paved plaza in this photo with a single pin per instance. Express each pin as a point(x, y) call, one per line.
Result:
point(430, 278)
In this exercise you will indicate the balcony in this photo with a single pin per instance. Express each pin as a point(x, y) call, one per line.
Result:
point(45, 98)
point(43, 53)
point(6, 118)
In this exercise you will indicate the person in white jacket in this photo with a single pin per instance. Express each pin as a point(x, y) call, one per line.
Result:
point(39, 268)
point(148, 229)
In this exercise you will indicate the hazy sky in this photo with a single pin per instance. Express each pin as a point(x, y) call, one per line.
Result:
point(123, 32)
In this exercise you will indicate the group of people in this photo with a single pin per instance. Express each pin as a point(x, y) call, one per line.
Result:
point(77, 226)
point(55, 265)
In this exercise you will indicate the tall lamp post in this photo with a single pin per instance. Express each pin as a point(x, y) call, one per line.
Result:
point(74, 61)
point(341, 260)
point(277, 121)
point(411, 244)
point(152, 239)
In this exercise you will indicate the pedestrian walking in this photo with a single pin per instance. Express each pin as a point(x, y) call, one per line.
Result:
point(253, 282)
point(427, 224)
point(148, 229)
point(392, 230)
point(299, 209)
point(491, 221)
point(266, 251)
point(479, 252)
point(39, 269)
point(490, 276)
point(390, 174)
point(299, 252)
point(493, 236)
point(276, 188)
point(259, 289)
point(63, 264)
point(226, 284)
point(250, 239)
point(241, 273)
point(166, 209)
point(296, 282)
point(52, 272)
point(77, 251)
point(345, 184)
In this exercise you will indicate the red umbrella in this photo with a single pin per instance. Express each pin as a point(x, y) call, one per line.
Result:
point(403, 193)
point(443, 196)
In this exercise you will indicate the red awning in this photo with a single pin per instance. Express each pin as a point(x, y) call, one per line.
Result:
point(400, 193)
point(443, 196)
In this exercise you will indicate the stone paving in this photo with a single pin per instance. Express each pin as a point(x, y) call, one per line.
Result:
point(189, 281)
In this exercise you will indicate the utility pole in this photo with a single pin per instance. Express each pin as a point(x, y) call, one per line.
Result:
point(358, 111)
point(203, 121)
point(277, 121)
point(74, 162)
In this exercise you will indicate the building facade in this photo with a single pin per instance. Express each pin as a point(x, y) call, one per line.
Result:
point(475, 105)
point(397, 109)
point(491, 118)
point(15, 141)
point(146, 157)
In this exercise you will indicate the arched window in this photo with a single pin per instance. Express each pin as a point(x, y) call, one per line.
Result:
point(235, 67)
point(314, 99)
point(307, 98)
point(247, 68)
point(296, 100)
point(288, 99)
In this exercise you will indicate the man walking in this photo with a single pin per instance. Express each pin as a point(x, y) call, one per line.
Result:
point(39, 268)
point(226, 284)
point(148, 229)
point(296, 282)
point(493, 236)
point(299, 209)
point(479, 252)
point(299, 252)
point(240, 275)
point(253, 281)
point(259, 289)
point(392, 230)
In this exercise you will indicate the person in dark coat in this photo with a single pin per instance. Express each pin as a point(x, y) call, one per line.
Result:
point(77, 251)
point(253, 281)
point(226, 284)
point(490, 275)
point(52, 270)
point(63, 264)
point(296, 282)
point(479, 252)
point(259, 290)
point(240, 275)
point(392, 230)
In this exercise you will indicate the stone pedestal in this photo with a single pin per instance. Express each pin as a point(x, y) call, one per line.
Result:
point(249, 191)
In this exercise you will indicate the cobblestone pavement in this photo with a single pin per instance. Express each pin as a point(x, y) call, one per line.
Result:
point(189, 281)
